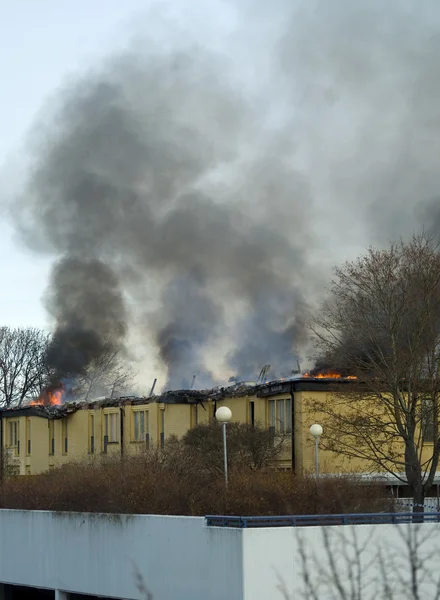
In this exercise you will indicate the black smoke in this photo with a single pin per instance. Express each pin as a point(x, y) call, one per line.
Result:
point(86, 301)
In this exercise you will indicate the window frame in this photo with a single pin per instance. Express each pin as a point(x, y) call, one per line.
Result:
point(283, 425)
point(14, 435)
point(427, 418)
point(111, 426)
point(143, 433)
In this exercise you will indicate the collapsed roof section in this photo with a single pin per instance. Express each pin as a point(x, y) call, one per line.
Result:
point(271, 388)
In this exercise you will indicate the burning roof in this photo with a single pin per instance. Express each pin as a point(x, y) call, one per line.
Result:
point(50, 403)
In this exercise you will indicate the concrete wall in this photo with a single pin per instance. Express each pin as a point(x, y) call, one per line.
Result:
point(356, 558)
point(180, 558)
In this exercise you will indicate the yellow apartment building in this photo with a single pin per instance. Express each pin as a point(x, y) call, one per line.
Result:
point(36, 438)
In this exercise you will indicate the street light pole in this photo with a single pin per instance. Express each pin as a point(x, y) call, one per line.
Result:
point(223, 416)
point(225, 453)
point(317, 458)
point(316, 431)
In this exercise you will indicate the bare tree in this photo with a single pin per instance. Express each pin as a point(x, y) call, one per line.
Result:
point(382, 323)
point(22, 364)
point(109, 375)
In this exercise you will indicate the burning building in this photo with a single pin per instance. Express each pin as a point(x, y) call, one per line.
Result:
point(123, 425)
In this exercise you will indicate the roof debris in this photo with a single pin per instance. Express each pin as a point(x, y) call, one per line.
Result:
point(58, 411)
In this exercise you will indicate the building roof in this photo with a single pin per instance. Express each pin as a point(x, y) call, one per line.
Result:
point(271, 388)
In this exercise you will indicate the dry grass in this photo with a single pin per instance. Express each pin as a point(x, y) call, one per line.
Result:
point(153, 484)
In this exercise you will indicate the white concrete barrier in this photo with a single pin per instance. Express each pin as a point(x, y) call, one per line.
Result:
point(181, 558)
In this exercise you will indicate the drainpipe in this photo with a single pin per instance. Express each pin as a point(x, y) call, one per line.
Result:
point(292, 433)
point(121, 413)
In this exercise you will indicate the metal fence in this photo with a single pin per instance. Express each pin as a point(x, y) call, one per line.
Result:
point(310, 520)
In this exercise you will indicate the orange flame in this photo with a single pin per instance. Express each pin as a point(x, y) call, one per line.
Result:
point(49, 397)
point(329, 375)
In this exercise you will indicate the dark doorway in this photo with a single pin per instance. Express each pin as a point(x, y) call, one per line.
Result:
point(252, 412)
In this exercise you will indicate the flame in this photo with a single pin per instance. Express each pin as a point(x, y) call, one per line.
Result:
point(49, 397)
point(329, 375)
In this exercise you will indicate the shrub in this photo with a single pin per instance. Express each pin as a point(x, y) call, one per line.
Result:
point(168, 483)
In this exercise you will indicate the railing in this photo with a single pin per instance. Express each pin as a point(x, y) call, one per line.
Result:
point(310, 520)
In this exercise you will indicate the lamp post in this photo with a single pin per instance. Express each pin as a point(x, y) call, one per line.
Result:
point(316, 431)
point(223, 416)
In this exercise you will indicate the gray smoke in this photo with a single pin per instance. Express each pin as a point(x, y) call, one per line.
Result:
point(188, 184)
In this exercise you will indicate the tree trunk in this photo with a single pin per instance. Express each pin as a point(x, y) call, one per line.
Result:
point(418, 502)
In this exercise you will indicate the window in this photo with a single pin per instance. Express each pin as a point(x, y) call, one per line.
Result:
point(141, 426)
point(162, 427)
point(91, 434)
point(428, 420)
point(64, 435)
point(280, 415)
point(111, 430)
point(14, 436)
point(51, 437)
point(28, 436)
point(272, 417)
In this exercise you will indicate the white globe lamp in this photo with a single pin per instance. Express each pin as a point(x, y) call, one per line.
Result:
point(316, 430)
point(223, 414)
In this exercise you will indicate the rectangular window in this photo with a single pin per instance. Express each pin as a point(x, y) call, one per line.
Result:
point(51, 437)
point(64, 435)
point(272, 414)
point(91, 434)
point(28, 436)
point(111, 430)
point(141, 426)
point(280, 415)
point(14, 436)
point(428, 420)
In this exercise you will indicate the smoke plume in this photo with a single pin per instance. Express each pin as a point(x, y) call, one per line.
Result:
point(197, 192)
